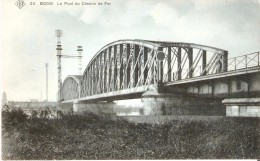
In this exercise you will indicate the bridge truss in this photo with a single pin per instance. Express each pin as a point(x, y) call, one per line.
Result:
point(129, 64)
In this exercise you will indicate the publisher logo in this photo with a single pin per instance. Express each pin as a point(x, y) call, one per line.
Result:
point(20, 3)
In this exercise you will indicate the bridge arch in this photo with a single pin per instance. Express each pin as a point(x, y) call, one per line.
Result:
point(133, 63)
point(71, 87)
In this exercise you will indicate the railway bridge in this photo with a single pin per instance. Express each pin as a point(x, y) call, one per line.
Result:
point(170, 78)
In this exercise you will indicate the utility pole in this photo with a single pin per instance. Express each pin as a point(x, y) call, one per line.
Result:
point(79, 59)
point(46, 82)
point(59, 48)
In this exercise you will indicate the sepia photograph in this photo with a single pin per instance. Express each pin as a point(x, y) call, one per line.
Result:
point(130, 80)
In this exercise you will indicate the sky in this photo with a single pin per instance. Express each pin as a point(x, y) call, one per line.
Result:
point(28, 38)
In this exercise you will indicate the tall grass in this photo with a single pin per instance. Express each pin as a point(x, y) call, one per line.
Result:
point(89, 136)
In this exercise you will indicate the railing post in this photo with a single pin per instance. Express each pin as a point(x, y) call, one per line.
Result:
point(258, 58)
point(190, 57)
point(204, 62)
point(246, 60)
point(169, 64)
point(179, 70)
point(235, 63)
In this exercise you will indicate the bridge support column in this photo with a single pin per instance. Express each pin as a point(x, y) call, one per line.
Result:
point(156, 103)
point(242, 107)
point(94, 107)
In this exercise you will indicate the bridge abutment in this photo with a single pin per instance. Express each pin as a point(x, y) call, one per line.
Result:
point(156, 103)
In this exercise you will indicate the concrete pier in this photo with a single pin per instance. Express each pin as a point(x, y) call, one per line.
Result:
point(242, 107)
point(156, 103)
point(96, 107)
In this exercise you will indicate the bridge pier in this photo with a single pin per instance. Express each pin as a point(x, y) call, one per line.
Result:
point(94, 107)
point(242, 107)
point(156, 103)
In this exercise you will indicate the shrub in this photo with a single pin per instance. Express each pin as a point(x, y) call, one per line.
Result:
point(13, 117)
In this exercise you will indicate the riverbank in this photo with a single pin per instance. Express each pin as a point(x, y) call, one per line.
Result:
point(89, 136)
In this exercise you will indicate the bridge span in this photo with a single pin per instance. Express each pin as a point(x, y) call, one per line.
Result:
point(167, 75)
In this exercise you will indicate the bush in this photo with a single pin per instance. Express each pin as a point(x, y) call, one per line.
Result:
point(13, 117)
point(91, 136)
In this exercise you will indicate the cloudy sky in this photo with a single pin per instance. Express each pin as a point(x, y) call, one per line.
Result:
point(28, 40)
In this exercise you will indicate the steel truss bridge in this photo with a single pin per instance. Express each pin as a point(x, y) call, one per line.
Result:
point(125, 69)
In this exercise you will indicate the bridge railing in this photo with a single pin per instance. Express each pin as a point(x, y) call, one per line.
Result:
point(245, 61)
point(236, 63)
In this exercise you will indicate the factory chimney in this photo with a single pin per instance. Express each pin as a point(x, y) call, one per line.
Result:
point(46, 82)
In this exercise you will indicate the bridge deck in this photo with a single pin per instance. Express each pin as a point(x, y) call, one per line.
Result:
point(115, 95)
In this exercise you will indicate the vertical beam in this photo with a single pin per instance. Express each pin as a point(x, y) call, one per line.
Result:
point(224, 61)
point(97, 74)
point(89, 83)
point(160, 67)
point(101, 73)
point(179, 63)
point(140, 65)
point(169, 58)
point(190, 57)
point(88, 86)
point(135, 61)
point(128, 67)
point(110, 68)
point(105, 71)
point(94, 77)
point(91, 79)
point(204, 62)
point(115, 67)
point(85, 85)
point(152, 68)
point(145, 74)
point(121, 65)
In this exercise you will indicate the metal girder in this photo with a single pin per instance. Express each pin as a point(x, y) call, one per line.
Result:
point(189, 45)
point(127, 64)
point(119, 67)
point(126, 68)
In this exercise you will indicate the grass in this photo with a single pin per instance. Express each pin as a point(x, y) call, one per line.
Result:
point(89, 136)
